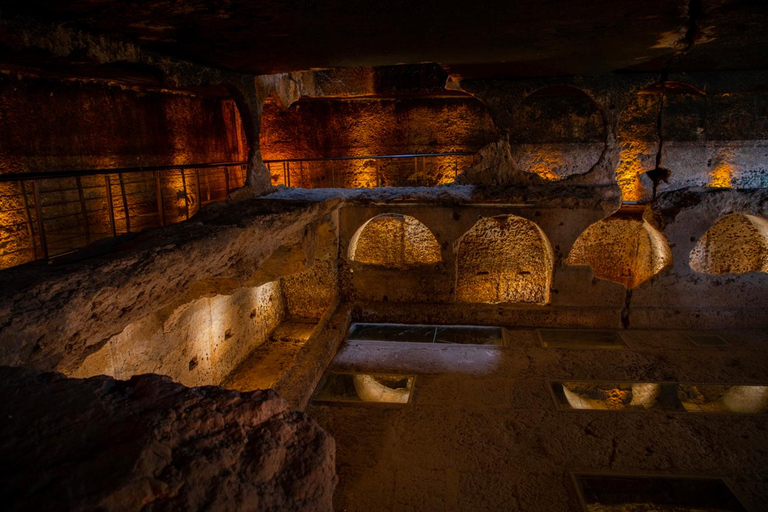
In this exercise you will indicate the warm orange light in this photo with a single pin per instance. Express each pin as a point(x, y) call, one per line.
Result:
point(636, 158)
point(722, 173)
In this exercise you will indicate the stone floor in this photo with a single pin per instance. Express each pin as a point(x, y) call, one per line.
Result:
point(266, 365)
point(482, 431)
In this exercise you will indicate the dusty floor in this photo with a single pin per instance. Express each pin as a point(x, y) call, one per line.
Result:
point(482, 431)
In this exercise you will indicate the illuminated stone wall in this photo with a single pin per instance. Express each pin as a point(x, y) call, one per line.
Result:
point(320, 128)
point(558, 132)
point(81, 125)
point(624, 249)
point(504, 259)
point(735, 244)
point(715, 140)
point(394, 241)
point(196, 344)
point(49, 126)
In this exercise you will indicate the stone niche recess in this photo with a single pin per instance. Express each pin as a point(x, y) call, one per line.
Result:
point(624, 248)
point(392, 240)
point(560, 132)
point(196, 344)
point(735, 244)
point(504, 259)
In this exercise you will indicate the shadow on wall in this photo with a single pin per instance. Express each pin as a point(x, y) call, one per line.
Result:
point(735, 244)
point(394, 241)
point(623, 248)
point(560, 132)
point(504, 259)
point(713, 140)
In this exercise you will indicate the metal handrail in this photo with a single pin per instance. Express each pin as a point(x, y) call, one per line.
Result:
point(115, 207)
point(22, 176)
point(371, 157)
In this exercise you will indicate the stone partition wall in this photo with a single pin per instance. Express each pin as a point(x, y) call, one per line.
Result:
point(659, 290)
point(712, 131)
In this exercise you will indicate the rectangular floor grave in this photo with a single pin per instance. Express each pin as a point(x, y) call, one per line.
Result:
point(708, 340)
point(365, 388)
point(607, 493)
point(580, 338)
point(660, 396)
point(445, 334)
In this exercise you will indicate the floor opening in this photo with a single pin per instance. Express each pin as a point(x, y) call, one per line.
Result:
point(365, 387)
point(708, 340)
point(407, 333)
point(607, 493)
point(660, 396)
point(577, 338)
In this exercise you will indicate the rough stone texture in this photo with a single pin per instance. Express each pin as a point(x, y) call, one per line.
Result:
point(594, 37)
point(559, 132)
point(54, 317)
point(293, 362)
point(504, 259)
point(394, 241)
point(625, 249)
point(309, 293)
point(197, 344)
point(63, 125)
point(151, 444)
point(714, 140)
point(736, 244)
point(482, 432)
point(375, 126)
point(61, 50)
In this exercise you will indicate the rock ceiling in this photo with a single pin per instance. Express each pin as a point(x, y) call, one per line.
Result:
point(491, 38)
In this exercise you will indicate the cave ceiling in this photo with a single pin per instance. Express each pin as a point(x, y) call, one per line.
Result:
point(472, 39)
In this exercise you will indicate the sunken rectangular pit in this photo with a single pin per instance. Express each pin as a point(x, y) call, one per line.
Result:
point(615, 493)
point(660, 396)
point(365, 388)
point(432, 334)
point(580, 339)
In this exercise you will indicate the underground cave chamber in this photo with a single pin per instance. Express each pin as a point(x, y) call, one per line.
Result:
point(362, 283)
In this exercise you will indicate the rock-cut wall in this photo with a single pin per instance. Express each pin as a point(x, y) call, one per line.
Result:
point(151, 444)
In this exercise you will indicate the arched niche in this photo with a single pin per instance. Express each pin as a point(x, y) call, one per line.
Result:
point(559, 131)
point(393, 240)
point(504, 259)
point(623, 248)
point(735, 244)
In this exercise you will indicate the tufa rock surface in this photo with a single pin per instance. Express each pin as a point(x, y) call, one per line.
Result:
point(151, 444)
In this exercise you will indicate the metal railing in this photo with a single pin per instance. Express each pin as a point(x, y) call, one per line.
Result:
point(48, 214)
point(408, 170)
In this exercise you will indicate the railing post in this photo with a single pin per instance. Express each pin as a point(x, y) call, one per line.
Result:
point(301, 175)
point(40, 223)
point(159, 199)
point(226, 180)
point(184, 188)
point(83, 208)
point(333, 174)
point(125, 203)
point(29, 219)
point(110, 206)
point(455, 168)
point(199, 193)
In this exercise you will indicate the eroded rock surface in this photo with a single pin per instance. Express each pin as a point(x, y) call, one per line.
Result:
point(151, 444)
